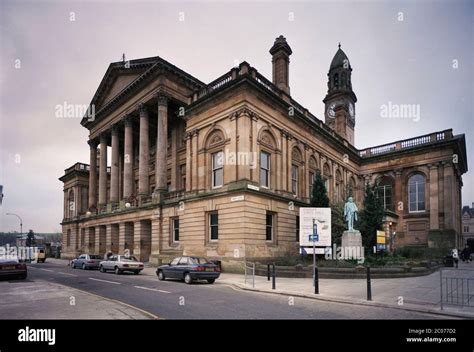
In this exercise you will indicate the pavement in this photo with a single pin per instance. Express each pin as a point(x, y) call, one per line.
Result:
point(41, 299)
point(134, 295)
point(418, 294)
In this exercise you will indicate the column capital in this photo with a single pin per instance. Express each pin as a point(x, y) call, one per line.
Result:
point(162, 98)
point(142, 108)
point(93, 143)
point(127, 120)
point(115, 129)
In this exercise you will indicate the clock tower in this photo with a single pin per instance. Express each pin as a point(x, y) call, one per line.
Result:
point(340, 100)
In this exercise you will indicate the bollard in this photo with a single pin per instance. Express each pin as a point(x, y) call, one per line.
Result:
point(273, 276)
point(369, 286)
point(268, 272)
point(316, 281)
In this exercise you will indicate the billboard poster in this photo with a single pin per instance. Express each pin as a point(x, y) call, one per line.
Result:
point(322, 218)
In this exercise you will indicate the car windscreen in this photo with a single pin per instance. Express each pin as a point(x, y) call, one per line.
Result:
point(199, 261)
point(95, 257)
point(128, 259)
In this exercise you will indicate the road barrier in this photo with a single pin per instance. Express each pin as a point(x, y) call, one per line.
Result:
point(249, 270)
point(456, 287)
point(369, 285)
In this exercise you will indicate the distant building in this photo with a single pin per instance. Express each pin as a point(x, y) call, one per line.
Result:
point(468, 225)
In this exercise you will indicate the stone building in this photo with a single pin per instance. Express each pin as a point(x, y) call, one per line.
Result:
point(221, 169)
point(468, 226)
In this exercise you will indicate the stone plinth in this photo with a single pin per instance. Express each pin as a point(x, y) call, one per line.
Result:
point(351, 239)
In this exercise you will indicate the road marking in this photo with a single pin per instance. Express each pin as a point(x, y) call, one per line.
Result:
point(151, 289)
point(110, 282)
point(60, 272)
point(51, 271)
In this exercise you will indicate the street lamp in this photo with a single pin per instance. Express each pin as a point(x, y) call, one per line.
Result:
point(21, 222)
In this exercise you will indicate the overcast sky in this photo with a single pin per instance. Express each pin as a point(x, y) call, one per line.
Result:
point(417, 52)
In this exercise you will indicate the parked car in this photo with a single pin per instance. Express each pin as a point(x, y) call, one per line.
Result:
point(86, 261)
point(11, 267)
point(189, 269)
point(40, 256)
point(120, 264)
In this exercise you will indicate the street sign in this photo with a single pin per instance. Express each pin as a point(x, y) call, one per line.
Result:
point(321, 217)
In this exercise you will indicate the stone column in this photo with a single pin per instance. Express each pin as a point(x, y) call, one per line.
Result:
point(128, 159)
point(433, 194)
point(161, 144)
point(114, 176)
point(284, 164)
point(174, 166)
point(194, 143)
point(188, 161)
point(142, 239)
point(103, 170)
point(126, 237)
point(144, 153)
point(448, 195)
point(93, 174)
point(244, 135)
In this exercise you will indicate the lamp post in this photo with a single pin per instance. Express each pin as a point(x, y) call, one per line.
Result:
point(21, 222)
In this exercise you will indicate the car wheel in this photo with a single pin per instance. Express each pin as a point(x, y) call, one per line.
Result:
point(136, 272)
point(161, 276)
point(23, 277)
point(211, 281)
point(73, 265)
point(117, 271)
point(188, 279)
point(101, 269)
point(84, 266)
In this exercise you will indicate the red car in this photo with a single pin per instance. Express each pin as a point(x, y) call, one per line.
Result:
point(11, 267)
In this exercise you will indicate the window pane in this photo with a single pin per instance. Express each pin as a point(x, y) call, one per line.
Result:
point(214, 219)
point(264, 160)
point(214, 233)
point(218, 177)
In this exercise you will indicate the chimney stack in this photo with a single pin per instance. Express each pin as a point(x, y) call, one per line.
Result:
point(281, 52)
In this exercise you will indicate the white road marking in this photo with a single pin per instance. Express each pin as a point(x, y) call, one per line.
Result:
point(151, 289)
point(51, 271)
point(60, 272)
point(110, 282)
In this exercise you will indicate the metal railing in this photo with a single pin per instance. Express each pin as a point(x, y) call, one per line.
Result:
point(456, 287)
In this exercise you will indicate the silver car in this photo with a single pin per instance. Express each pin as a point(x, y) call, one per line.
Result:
point(120, 264)
point(86, 261)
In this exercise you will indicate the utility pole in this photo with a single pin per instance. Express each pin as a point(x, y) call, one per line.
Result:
point(21, 222)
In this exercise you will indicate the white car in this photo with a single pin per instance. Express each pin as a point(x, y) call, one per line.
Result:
point(120, 264)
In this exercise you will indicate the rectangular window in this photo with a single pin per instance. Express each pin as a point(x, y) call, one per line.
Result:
point(294, 179)
point(265, 169)
point(297, 228)
point(217, 169)
point(175, 229)
point(182, 170)
point(213, 227)
point(269, 227)
point(311, 181)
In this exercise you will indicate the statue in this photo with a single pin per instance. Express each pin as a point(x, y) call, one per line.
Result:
point(350, 213)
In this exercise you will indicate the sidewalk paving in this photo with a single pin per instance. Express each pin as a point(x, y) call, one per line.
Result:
point(414, 293)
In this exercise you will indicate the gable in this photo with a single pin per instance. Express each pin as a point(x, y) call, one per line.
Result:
point(121, 81)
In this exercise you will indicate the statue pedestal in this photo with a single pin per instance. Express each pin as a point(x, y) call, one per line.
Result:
point(351, 239)
point(351, 245)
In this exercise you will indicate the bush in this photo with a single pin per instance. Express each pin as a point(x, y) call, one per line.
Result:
point(421, 252)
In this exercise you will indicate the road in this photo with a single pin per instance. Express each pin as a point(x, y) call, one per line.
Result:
point(176, 300)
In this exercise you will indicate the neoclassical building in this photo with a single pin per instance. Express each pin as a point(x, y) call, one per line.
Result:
point(221, 169)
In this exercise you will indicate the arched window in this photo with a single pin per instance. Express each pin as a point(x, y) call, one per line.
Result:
point(339, 186)
point(296, 165)
point(416, 193)
point(326, 177)
point(384, 192)
point(336, 80)
point(267, 153)
point(313, 166)
point(352, 187)
point(214, 145)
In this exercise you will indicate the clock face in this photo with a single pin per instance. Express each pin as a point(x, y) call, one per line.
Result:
point(351, 110)
point(331, 112)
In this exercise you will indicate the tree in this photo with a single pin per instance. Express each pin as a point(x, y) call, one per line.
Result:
point(371, 217)
point(319, 195)
point(338, 225)
point(30, 239)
